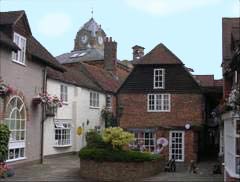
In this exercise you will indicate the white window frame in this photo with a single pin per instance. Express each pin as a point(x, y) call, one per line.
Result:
point(19, 56)
point(156, 104)
point(237, 157)
point(64, 93)
point(159, 79)
point(16, 104)
point(65, 128)
point(140, 137)
point(109, 101)
point(94, 100)
point(171, 143)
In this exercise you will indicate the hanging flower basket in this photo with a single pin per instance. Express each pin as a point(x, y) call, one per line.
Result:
point(4, 89)
point(52, 103)
point(233, 101)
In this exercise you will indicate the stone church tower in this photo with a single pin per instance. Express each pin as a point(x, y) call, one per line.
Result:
point(91, 35)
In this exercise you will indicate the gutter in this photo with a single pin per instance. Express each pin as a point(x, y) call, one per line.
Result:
point(43, 115)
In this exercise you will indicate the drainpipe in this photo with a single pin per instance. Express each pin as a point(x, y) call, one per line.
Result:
point(43, 113)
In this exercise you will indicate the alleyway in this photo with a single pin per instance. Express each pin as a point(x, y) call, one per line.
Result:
point(66, 168)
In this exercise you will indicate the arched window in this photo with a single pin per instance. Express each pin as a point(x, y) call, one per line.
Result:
point(16, 121)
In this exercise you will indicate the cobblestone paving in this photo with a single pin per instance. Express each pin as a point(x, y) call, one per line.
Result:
point(66, 168)
point(182, 175)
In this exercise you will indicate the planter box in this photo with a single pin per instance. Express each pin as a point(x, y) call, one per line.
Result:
point(119, 171)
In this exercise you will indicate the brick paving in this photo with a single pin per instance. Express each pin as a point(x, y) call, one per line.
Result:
point(66, 168)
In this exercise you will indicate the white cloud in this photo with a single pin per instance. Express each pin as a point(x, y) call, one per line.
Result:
point(166, 7)
point(54, 24)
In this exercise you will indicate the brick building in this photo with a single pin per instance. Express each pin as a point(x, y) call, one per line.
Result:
point(231, 116)
point(162, 101)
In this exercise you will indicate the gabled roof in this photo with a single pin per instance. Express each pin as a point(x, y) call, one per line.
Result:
point(159, 55)
point(75, 75)
point(12, 17)
point(9, 18)
point(37, 50)
point(6, 41)
point(33, 46)
point(103, 78)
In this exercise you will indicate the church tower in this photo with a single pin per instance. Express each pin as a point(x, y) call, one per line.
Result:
point(91, 35)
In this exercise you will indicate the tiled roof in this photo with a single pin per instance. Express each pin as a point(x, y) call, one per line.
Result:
point(74, 75)
point(208, 81)
point(33, 46)
point(159, 55)
point(5, 40)
point(82, 55)
point(8, 18)
point(104, 79)
point(230, 28)
point(36, 49)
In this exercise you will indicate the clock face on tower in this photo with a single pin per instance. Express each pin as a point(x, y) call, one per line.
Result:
point(84, 39)
point(100, 40)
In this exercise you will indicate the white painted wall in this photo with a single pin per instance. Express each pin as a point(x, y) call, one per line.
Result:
point(78, 111)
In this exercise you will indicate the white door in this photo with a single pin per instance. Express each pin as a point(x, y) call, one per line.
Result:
point(176, 146)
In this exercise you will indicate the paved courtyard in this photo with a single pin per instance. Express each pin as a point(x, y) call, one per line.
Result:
point(66, 168)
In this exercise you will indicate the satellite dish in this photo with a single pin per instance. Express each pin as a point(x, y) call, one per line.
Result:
point(163, 141)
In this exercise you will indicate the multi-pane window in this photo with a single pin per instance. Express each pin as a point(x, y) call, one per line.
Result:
point(159, 78)
point(238, 147)
point(62, 132)
point(176, 150)
point(64, 93)
point(145, 141)
point(109, 102)
point(20, 55)
point(158, 102)
point(16, 122)
point(94, 99)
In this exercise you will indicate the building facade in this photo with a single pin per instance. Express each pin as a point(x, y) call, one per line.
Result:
point(230, 115)
point(163, 105)
point(22, 55)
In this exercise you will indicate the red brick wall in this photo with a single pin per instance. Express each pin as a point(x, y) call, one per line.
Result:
point(185, 108)
point(190, 144)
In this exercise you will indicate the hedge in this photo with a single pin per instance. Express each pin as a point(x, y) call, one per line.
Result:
point(101, 154)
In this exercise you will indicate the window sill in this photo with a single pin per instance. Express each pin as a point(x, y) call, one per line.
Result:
point(62, 146)
point(158, 111)
point(65, 103)
point(13, 160)
point(91, 107)
point(20, 63)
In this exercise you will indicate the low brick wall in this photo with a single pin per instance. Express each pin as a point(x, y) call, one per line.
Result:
point(119, 171)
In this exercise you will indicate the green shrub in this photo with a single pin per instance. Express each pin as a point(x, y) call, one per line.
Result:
point(104, 154)
point(117, 137)
point(94, 139)
point(4, 139)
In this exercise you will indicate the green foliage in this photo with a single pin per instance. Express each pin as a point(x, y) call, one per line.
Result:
point(108, 117)
point(117, 137)
point(4, 139)
point(94, 139)
point(104, 154)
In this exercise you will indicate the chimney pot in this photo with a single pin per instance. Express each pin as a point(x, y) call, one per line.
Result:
point(138, 52)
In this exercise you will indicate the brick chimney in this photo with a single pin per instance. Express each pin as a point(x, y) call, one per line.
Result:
point(110, 55)
point(138, 52)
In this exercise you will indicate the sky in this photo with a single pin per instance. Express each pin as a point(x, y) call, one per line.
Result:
point(191, 29)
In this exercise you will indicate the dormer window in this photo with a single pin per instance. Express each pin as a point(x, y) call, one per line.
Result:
point(20, 55)
point(159, 78)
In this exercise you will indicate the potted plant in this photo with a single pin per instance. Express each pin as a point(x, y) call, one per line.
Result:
point(51, 102)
